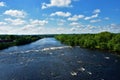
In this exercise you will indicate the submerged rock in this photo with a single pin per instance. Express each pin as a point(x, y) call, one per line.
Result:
point(107, 57)
point(89, 73)
point(73, 73)
point(81, 69)
point(79, 62)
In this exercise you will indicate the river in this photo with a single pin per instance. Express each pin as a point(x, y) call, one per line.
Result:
point(48, 59)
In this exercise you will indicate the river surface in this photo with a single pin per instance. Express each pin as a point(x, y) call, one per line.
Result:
point(48, 59)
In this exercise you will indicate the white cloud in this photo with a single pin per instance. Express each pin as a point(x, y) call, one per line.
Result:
point(60, 13)
point(15, 21)
point(2, 4)
point(96, 29)
point(74, 24)
point(83, 29)
point(57, 3)
point(61, 22)
point(60, 29)
point(77, 27)
point(111, 28)
point(75, 17)
point(43, 30)
point(95, 15)
point(38, 22)
point(25, 27)
point(31, 29)
point(5, 29)
point(96, 11)
point(3, 23)
point(28, 27)
point(91, 17)
point(44, 6)
point(15, 13)
point(107, 18)
point(73, 29)
point(94, 21)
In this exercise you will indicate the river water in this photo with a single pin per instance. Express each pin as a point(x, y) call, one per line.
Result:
point(48, 59)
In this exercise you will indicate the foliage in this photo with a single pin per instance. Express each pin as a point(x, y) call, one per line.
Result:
point(14, 40)
point(104, 40)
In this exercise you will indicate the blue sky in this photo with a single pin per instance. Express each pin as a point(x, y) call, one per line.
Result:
point(59, 16)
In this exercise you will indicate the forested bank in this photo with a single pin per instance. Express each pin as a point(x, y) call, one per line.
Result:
point(15, 40)
point(103, 41)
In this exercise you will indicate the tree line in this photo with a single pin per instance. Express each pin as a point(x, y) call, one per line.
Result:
point(104, 40)
point(15, 40)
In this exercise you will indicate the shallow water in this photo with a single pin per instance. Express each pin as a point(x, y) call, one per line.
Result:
point(48, 59)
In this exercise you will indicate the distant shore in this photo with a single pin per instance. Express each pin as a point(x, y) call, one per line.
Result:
point(16, 40)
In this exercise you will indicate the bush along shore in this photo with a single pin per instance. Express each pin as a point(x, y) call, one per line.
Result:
point(15, 40)
point(103, 41)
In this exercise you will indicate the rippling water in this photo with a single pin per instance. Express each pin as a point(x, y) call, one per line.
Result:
point(48, 59)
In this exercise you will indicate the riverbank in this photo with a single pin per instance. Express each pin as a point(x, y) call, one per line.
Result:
point(16, 40)
point(103, 41)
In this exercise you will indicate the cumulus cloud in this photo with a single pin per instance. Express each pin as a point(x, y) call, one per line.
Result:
point(61, 22)
point(60, 13)
point(60, 29)
point(96, 11)
point(83, 28)
point(15, 21)
point(38, 22)
point(57, 3)
point(15, 13)
point(96, 29)
point(5, 29)
point(2, 4)
point(75, 17)
point(73, 29)
point(30, 26)
point(30, 29)
point(91, 17)
point(74, 24)
point(95, 14)
point(3, 23)
point(111, 28)
point(94, 21)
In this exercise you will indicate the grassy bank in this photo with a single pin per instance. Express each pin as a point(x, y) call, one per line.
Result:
point(103, 41)
point(15, 40)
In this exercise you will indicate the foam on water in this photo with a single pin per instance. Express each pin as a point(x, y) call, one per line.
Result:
point(55, 48)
